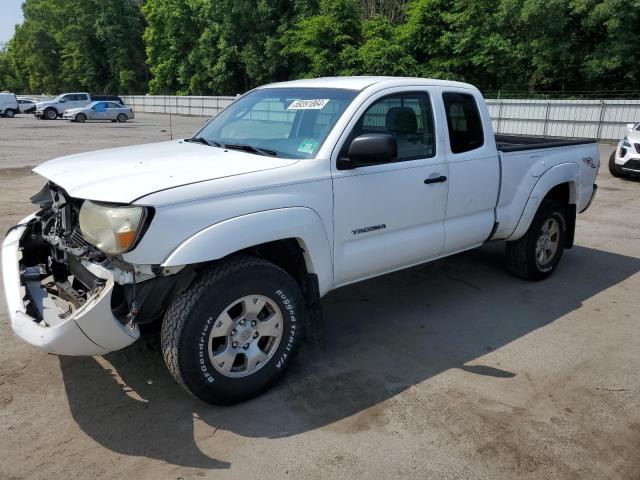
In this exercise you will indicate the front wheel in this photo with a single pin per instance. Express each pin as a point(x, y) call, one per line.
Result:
point(81, 118)
point(50, 114)
point(536, 255)
point(9, 113)
point(232, 334)
point(614, 169)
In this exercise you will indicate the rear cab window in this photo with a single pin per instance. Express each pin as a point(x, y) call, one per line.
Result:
point(463, 121)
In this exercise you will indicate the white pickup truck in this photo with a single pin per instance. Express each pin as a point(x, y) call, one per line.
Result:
point(231, 237)
point(52, 109)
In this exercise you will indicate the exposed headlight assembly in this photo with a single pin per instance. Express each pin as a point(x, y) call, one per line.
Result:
point(112, 229)
point(626, 142)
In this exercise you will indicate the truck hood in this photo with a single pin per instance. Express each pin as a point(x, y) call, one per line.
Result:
point(122, 175)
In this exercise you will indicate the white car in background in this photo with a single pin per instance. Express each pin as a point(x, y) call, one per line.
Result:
point(8, 104)
point(625, 160)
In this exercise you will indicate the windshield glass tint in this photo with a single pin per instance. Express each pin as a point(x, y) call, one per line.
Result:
point(293, 122)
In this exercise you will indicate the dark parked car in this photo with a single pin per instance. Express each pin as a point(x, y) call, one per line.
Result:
point(106, 98)
point(26, 106)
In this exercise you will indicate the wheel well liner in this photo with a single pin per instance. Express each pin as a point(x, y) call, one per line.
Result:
point(562, 194)
point(288, 254)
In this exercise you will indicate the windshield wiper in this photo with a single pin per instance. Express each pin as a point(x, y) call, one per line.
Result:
point(204, 141)
point(251, 149)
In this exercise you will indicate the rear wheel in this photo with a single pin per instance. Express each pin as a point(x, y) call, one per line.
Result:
point(233, 334)
point(536, 255)
point(122, 118)
point(9, 113)
point(51, 114)
point(614, 169)
point(81, 118)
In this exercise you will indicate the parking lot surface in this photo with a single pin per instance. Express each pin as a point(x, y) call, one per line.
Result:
point(454, 369)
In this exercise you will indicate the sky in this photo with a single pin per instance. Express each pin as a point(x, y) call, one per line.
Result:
point(11, 14)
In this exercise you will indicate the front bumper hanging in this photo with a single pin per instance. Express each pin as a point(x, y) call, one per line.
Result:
point(91, 329)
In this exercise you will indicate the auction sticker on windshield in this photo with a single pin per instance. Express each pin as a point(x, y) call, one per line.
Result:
point(311, 104)
point(307, 146)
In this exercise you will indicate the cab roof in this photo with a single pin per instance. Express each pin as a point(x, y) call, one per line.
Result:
point(360, 83)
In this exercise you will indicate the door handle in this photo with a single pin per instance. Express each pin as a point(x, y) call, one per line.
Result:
point(439, 179)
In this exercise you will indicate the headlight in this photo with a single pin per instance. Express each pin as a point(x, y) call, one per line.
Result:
point(111, 228)
point(626, 142)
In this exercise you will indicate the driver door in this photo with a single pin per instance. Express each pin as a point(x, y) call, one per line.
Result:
point(99, 111)
point(389, 216)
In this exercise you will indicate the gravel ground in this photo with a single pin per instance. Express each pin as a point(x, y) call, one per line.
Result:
point(454, 369)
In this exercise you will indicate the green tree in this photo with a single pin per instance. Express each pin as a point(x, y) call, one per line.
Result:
point(608, 30)
point(381, 51)
point(326, 43)
point(173, 31)
point(91, 45)
point(230, 46)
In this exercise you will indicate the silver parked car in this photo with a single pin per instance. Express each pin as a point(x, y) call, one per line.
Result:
point(99, 111)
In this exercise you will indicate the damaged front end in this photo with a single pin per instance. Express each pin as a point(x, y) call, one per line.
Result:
point(68, 297)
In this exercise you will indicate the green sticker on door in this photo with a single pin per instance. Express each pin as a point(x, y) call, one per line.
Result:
point(307, 146)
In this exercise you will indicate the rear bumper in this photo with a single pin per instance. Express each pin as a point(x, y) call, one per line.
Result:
point(90, 330)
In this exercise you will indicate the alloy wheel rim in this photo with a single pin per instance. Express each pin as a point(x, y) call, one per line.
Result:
point(245, 336)
point(548, 242)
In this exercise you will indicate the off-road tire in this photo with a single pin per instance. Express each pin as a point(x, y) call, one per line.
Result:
point(81, 118)
point(122, 118)
point(521, 253)
point(187, 324)
point(50, 114)
point(613, 168)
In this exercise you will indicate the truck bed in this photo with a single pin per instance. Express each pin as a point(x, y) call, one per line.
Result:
point(517, 143)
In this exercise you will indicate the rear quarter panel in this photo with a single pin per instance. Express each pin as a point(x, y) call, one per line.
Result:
point(529, 175)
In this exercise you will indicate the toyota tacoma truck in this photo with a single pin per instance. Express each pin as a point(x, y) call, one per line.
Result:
point(230, 238)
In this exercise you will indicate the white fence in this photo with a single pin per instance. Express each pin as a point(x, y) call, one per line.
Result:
point(176, 104)
point(601, 119)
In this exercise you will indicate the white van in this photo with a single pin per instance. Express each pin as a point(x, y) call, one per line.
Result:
point(8, 104)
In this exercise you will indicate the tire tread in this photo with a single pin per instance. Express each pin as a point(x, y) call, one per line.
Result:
point(518, 251)
point(177, 313)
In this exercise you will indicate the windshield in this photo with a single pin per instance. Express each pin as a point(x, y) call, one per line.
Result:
point(289, 122)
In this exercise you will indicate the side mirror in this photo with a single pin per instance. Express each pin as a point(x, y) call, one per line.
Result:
point(370, 149)
point(62, 100)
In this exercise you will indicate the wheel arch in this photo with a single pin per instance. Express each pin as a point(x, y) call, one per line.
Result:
point(293, 238)
point(559, 183)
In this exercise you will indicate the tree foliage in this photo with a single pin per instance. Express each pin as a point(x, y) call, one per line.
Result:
point(91, 45)
point(230, 46)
